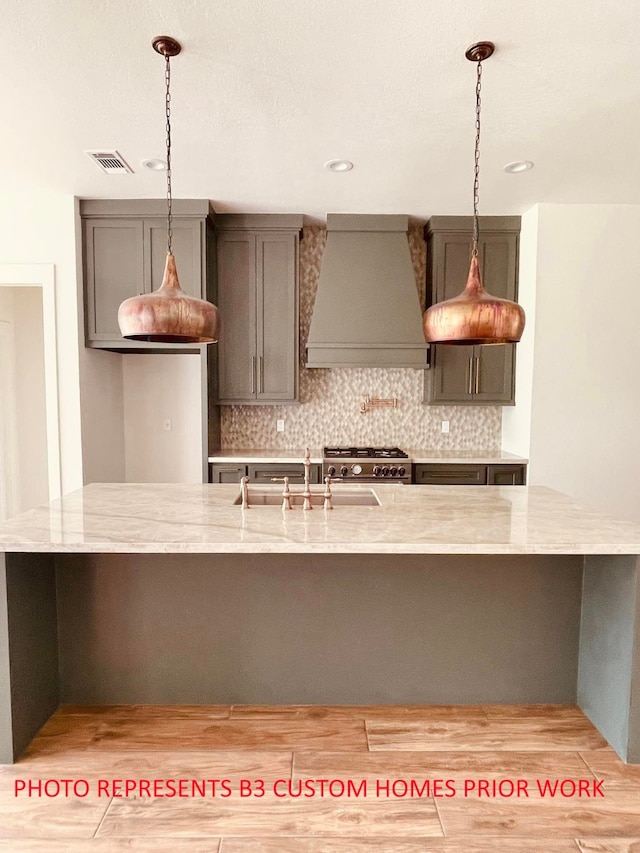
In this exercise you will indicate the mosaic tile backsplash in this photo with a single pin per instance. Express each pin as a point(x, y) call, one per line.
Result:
point(330, 400)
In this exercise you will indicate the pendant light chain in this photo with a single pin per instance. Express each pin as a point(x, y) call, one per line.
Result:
point(167, 77)
point(476, 173)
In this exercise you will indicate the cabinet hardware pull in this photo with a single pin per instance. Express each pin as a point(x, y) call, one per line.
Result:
point(477, 382)
point(278, 479)
point(253, 374)
point(260, 374)
point(470, 383)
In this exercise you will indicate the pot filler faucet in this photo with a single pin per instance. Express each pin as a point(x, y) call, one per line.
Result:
point(307, 494)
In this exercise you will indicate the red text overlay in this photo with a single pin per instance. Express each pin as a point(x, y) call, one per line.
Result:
point(410, 788)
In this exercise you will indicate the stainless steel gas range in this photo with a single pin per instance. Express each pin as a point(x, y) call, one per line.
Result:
point(366, 464)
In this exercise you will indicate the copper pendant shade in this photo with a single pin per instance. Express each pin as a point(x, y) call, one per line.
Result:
point(475, 317)
point(168, 315)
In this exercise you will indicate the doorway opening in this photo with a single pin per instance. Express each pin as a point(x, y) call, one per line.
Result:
point(29, 433)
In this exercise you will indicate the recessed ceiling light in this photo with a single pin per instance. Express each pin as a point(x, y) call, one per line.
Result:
point(339, 165)
point(518, 166)
point(155, 165)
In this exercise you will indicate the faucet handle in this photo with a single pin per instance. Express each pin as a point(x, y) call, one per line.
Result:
point(327, 494)
point(286, 495)
point(245, 492)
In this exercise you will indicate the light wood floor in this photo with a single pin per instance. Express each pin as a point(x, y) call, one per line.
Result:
point(312, 743)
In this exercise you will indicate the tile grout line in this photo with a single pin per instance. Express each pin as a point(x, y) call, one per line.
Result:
point(435, 804)
point(366, 734)
point(588, 766)
point(97, 829)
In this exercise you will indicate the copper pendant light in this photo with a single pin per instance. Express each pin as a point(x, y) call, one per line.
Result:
point(475, 317)
point(168, 315)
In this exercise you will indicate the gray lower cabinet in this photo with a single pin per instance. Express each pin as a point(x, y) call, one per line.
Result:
point(223, 473)
point(124, 253)
point(466, 375)
point(258, 301)
point(270, 473)
point(506, 475)
point(463, 474)
point(262, 472)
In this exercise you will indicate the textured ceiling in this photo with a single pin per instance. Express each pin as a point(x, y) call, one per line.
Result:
point(266, 91)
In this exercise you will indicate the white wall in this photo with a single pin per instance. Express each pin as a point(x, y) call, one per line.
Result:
point(516, 420)
point(157, 388)
point(586, 380)
point(101, 398)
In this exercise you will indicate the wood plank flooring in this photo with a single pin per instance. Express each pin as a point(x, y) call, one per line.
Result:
point(374, 753)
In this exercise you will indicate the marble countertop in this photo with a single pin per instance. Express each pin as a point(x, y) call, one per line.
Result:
point(175, 518)
point(247, 455)
point(419, 455)
point(472, 457)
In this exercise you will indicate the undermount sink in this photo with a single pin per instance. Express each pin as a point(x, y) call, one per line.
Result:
point(259, 497)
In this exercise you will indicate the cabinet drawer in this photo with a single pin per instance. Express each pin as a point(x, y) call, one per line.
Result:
point(268, 472)
point(221, 473)
point(450, 475)
point(507, 475)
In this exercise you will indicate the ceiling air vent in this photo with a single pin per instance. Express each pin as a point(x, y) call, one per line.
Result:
point(110, 162)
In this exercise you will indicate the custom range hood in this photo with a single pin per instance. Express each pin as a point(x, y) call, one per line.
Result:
point(367, 311)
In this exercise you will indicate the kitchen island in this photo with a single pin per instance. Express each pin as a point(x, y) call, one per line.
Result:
point(173, 594)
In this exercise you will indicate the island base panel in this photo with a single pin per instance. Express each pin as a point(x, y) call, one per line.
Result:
point(28, 649)
point(318, 629)
point(609, 668)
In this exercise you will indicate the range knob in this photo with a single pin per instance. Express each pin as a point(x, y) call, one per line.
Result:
point(356, 469)
point(401, 471)
point(344, 471)
point(385, 471)
point(331, 470)
point(376, 470)
point(394, 471)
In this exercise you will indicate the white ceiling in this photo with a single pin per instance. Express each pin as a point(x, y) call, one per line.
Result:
point(265, 91)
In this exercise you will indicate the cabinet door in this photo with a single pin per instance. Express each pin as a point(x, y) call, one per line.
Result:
point(495, 366)
point(450, 475)
point(222, 473)
point(277, 316)
point(236, 301)
point(452, 375)
point(114, 271)
point(187, 243)
point(494, 379)
point(267, 472)
point(506, 475)
point(478, 375)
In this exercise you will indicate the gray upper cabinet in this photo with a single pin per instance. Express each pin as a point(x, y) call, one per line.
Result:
point(124, 253)
point(462, 375)
point(186, 242)
point(114, 271)
point(258, 301)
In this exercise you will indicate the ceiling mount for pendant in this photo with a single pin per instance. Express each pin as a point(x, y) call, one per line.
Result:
point(168, 315)
point(166, 45)
point(475, 317)
point(480, 51)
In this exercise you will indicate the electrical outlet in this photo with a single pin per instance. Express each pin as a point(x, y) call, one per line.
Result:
point(279, 425)
point(445, 426)
point(166, 424)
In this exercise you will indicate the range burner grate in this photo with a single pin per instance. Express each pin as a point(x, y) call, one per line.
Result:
point(364, 453)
